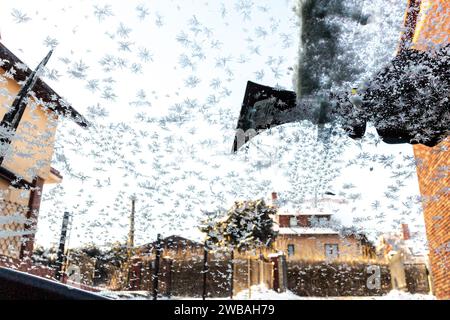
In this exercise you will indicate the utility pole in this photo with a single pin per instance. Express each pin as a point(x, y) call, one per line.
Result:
point(249, 277)
point(60, 258)
point(205, 268)
point(232, 274)
point(130, 242)
point(156, 270)
point(131, 231)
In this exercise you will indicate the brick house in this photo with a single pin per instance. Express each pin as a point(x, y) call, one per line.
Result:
point(428, 22)
point(26, 167)
point(434, 180)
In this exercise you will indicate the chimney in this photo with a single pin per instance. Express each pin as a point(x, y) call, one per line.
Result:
point(405, 231)
point(274, 199)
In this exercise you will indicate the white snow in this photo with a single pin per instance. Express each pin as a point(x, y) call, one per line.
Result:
point(261, 292)
point(303, 230)
point(400, 295)
point(127, 295)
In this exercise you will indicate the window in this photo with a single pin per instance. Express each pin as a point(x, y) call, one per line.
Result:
point(291, 250)
point(293, 221)
point(331, 251)
point(226, 160)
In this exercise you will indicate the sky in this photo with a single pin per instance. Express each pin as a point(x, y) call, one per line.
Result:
point(162, 84)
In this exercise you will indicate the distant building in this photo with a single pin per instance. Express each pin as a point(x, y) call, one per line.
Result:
point(404, 241)
point(174, 247)
point(407, 259)
point(138, 275)
point(26, 168)
point(310, 236)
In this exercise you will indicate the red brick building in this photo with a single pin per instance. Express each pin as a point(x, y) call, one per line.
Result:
point(428, 27)
point(434, 182)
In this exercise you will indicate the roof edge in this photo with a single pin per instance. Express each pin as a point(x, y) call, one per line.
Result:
point(42, 89)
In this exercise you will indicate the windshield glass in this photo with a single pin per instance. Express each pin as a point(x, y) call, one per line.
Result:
point(167, 149)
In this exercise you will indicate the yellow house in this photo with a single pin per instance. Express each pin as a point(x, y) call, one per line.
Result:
point(301, 239)
point(306, 235)
point(26, 164)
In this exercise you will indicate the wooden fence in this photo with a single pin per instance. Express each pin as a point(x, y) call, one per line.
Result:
point(184, 277)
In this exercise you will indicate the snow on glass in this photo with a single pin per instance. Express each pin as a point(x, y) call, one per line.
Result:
point(161, 85)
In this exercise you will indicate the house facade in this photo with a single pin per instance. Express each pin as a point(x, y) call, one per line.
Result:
point(26, 158)
point(301, 239)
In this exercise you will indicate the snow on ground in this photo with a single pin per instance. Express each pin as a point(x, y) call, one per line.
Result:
point(400, 295)
point(261, 292)
point(127, 295)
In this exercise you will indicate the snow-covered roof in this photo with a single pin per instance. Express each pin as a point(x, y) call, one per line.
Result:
point(275, 254)
point(305, 231)
point(42, 89)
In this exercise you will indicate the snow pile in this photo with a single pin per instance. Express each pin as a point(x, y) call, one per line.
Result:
point(127, 295)
point(261, 292)
point(401, 295)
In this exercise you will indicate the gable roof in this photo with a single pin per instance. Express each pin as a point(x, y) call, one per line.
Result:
point(42, 90)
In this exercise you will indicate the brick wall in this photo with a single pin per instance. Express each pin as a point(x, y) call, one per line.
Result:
point(302, 220)
point(283, 221)
point(433, 167)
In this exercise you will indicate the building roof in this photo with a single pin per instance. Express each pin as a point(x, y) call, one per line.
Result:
point(42, 90)
point(173, 242)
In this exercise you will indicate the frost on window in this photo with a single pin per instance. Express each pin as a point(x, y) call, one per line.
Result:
point(226, 149)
